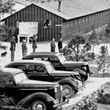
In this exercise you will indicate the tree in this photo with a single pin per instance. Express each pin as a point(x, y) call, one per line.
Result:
point(5, 7)
point(86, 54)
point(103, 62)
point(75, 44)
point(107, 31)
point(93, 39)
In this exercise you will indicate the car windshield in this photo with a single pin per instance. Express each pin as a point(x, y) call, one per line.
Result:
point(20, 77)
point(61, 58)
point(50, 68)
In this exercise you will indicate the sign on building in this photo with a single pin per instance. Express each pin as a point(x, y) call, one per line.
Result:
point(29, 28)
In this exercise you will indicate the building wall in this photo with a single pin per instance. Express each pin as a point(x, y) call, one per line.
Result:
point(33, 13)
point(84, 24)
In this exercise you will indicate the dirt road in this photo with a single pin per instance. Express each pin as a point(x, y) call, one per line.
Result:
point(91, 85)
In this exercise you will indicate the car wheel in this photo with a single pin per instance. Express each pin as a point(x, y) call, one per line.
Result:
point(38, 105)
point(69, 92)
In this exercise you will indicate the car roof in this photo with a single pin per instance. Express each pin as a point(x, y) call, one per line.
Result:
point(31, 61)
point(7, 70)
point(44, 53)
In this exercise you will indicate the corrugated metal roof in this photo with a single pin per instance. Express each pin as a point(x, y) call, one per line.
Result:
point(75, 8)
point(23, 2)
point(71, 8)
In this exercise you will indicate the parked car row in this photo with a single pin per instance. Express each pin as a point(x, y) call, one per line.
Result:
point(44, 80)
point(44, 71)
point(30, 94)
point(60, 63)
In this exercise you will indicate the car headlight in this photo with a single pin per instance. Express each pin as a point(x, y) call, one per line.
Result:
point(61, 88)
point(55, 89)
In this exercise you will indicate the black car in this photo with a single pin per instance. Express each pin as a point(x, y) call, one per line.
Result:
point(60, 63)
point(36, 95)
point(44, 71)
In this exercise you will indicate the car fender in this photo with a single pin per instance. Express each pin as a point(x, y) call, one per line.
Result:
point(70, 82)
point(25, 102)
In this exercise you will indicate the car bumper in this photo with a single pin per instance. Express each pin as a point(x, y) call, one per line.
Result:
point(59, 105)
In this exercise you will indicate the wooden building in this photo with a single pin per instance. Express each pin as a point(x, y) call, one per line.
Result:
point(65, 18)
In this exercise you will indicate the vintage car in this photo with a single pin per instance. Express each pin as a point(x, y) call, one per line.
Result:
point(60, 63)
point(31, 94)
point(44, 71)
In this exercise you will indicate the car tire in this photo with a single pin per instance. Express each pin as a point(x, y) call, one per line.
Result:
point(68, 90)
point(38, 105)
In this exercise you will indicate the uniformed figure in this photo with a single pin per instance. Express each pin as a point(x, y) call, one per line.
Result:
point(12, 48)
point(60, 45)
point(52, 45)
point(34, 43)
point(24, 48)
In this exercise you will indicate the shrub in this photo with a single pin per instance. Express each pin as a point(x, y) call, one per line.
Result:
point(11, 108)
point(103, 98)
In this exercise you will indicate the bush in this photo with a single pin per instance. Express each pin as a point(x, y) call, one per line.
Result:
point(86, 104)
point(11, 108)
point(103, 98)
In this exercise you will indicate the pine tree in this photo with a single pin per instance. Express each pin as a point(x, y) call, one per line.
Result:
point(102, 61)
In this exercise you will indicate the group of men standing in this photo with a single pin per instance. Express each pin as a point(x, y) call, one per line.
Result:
point(53, 45)
point(24, 46)
point(34, 46)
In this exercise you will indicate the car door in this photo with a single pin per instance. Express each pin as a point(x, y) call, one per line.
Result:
point(38, 72)
point(56, 63)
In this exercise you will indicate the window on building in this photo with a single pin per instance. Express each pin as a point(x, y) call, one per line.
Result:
point(67, 24)
point(83, 19)
point(75, 22)
point(47, 23)
point(86, 18)
point(79, 21)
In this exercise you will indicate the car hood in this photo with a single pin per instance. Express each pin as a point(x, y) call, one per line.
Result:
point(65, 73)
point(37, 84)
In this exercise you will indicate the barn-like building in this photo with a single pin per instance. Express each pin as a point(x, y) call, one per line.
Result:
point(62, 17)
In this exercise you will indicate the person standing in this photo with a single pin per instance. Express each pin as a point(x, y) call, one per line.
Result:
point(24, 48)
point(12, 48)
point(34, 43)
point(60, 45)
point(52, 45)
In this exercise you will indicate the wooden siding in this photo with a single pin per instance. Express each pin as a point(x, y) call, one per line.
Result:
point(84, 24)
point(33, 13)
point(69, 28)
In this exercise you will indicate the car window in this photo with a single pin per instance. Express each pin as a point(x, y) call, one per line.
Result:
point(37, 59)
point(36, 69)
point(40, 69)
point(41, 58)
point(31, 67)
point(20, 77)
point(45, 59)
point(22, 67)
point(54, 60)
